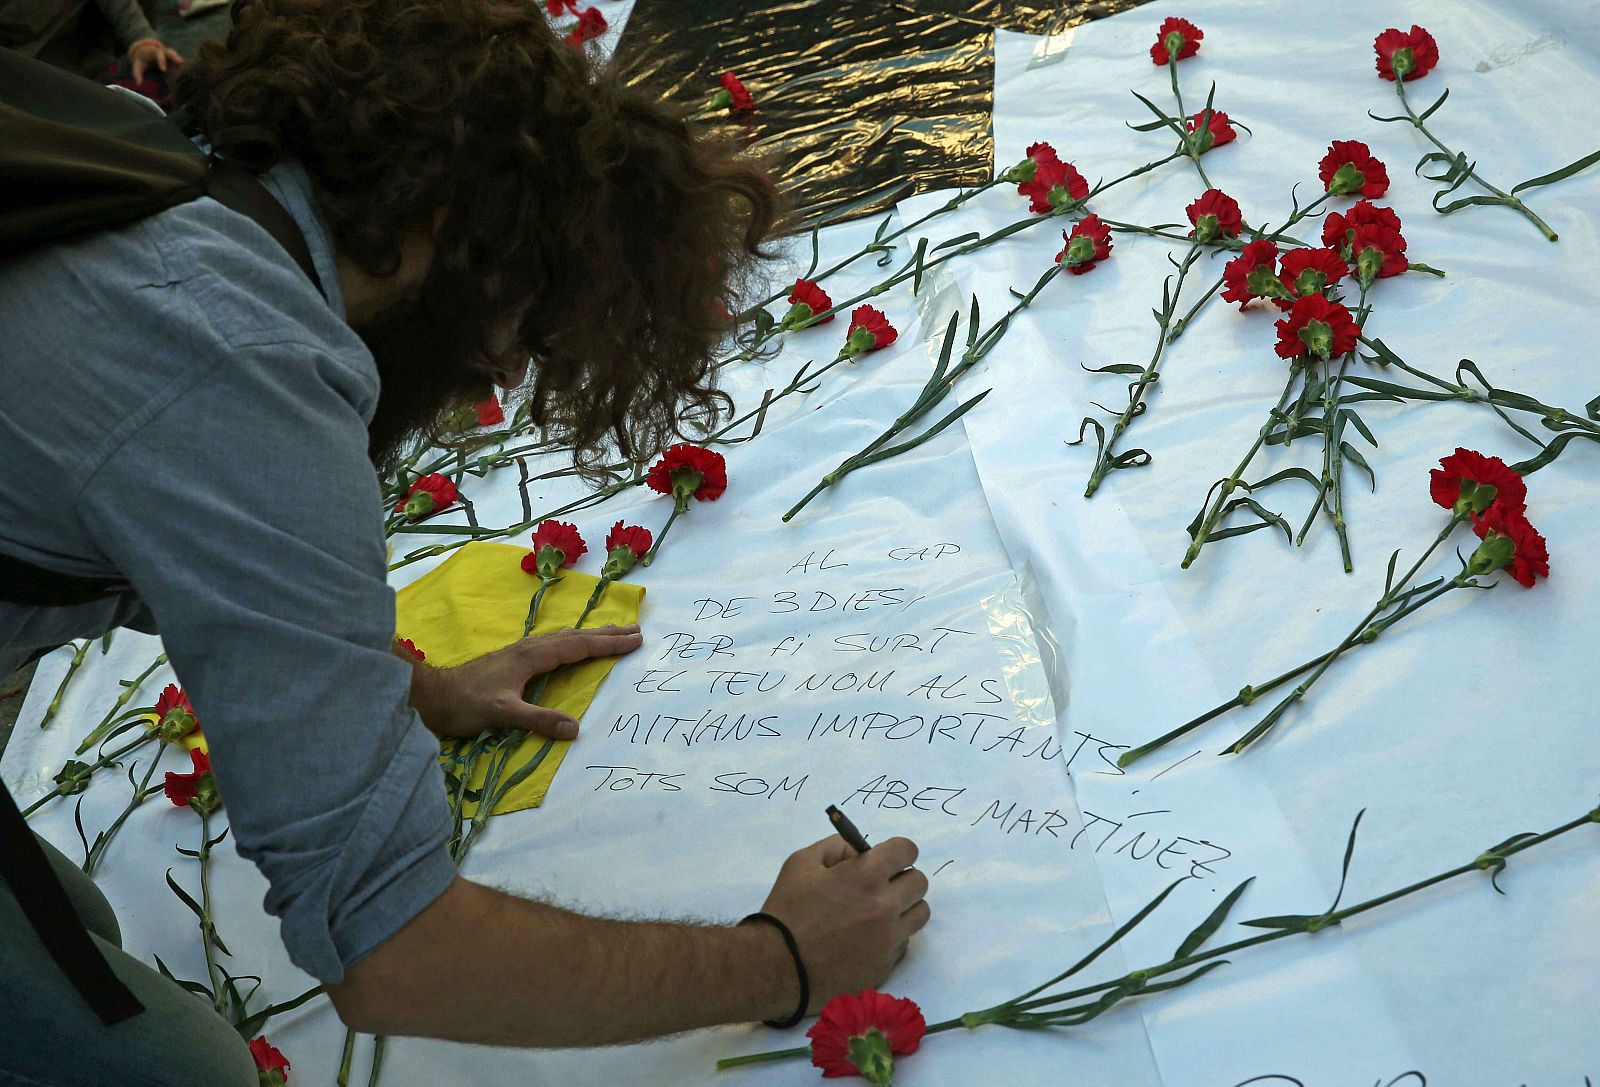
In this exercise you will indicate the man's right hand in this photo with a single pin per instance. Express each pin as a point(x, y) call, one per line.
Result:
point(851, 914)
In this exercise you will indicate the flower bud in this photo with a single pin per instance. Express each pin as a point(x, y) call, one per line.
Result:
point(1174, 42)
point(419, 505)
point(1060, 198)
point(860, 342)
point(1368, 264)
point(1494, 553)
point(176, 724)
point(1079, 250)
point(1318, 338)
point(1206, 228)
point(1021, 173)
point(1346, 179)
point(721, 100)
point(1402, 61)
point(206, 798)
point(799, 316)
point(549, 561)
point(619, 560)
point(1263, 282)
point(1474, 497)
point(871, 1055)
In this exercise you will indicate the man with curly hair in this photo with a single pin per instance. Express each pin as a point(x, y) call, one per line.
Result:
point(183, 410)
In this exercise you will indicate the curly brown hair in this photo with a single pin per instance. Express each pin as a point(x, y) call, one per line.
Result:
point(552, 190)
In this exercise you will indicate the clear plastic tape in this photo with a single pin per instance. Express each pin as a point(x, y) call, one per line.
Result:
point(1031, 657)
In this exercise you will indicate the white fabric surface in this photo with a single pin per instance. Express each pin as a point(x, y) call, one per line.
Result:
point(1467, 724)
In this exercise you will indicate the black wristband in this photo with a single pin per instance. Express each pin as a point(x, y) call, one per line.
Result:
point(799, 969)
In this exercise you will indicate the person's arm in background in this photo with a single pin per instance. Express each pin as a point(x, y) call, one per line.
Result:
point(135, 34)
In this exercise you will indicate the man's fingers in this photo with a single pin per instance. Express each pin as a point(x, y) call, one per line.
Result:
point(911, 887)
point(892, 856)
point(138, 68)
point(915, 918)
point(827, 852)
point(541, 719)
point(549, 651)
point(176, 57)
point(161, 58)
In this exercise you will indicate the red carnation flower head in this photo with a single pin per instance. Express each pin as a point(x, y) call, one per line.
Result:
point(490, 413)
point(1349, 168)
point(1316, 328)
point(1253, 274)
point(428, 495)
point(1468, 484)
point(590, 25)
point(411, 649)
point(1309, 271)
point(1377, 253)
point(689, 471)
point(1039, 154)
point(1407, 54)
point(1177, 38)
point(272, 1065)
point(175, 717)
point(197, 789)
point(625, 545)
point(1509, 543)
point(1088, 244)
point(733, 96)
point(1339, 231)
point(1219, 130)
point(860, 1034)
point(869, 330)
point(1214, 215)
point(805, 302)
point(1054, 185)
point(560, 7)
point(555, 544)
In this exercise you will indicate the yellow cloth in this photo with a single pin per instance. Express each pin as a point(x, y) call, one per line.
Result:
point(476, 602)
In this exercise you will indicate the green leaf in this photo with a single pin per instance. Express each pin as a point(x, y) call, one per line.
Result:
point(1148, 126)
point(1388, 577)
point(184, 896)
point(1559, 175)
point(1557, 445)
point(1281, 921)
point(1236, 530)
point(1205, 929)
point(1352, 454)
point(1360, 424)
point(1125, 368)
point(1464, 202)
point(1349, 852)
point(1132, 458)
point(189, 986)
point(946, 348)
point(1196, 975)
point(922, 251)
point(1287, 473)
point(959, 239)
point(896, 450)
point(1099, 440)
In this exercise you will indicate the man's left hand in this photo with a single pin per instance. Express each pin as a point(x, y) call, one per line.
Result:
point(487, 692)
point(151, 53)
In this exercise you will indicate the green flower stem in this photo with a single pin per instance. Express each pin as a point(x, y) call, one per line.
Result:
point(130, 688)
point(55, 703)
point(99, 764)
point(252, 1025)
point(208, 927)
point(343, 1079)
point(1504, 197)
point(1214, 512)
point(379, 1044)
point(679, 507)
point(1104, 461)
point(1364, 632)
point(1021, 1011)
point(1191, 141)
point(1333, 457)
point(533, 605)
point(143, 789)
point(937, 387)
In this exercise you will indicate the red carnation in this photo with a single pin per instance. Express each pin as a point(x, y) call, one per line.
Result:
point(489, 411)
point(733, 95)
point(1218, 130)
point(428, 495)
point(1338, 231)
point(555, 544)
point(689, 471)
point(869, 330)
point(1089, 243)
point(1378, 253)
point(559, 7)
point(272, 1065)
point(175, 717)
point(411, 649)
point(590, 25)
point(1349, 168)
point(1252, 274)
point(625, 545)
point(196, 789)
point(1222, 211)
point(1309, 271)
point(1509, 543)
point(1177, 38)
point(1316, 327)
point(1039, 154)
point(1409, 55)
point(805, 302)
point(1467, 482)
point(1054, 184)
point(860, 1034)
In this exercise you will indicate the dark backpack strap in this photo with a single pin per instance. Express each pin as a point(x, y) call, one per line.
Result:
point(48, 909)
point(236, 189)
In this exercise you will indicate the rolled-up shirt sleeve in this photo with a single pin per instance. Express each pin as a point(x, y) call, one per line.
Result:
point(245, 513)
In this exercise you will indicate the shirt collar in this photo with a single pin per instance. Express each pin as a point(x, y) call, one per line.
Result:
point(289, 183)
